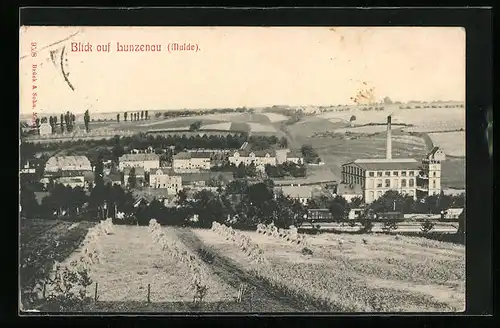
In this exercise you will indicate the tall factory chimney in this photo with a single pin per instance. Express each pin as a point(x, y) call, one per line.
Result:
point(388, 154)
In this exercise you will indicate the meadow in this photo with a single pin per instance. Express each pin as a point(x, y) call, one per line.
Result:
point(155, 268)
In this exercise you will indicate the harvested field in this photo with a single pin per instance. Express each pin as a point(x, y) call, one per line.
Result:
point(383, 274)
point(131, 261)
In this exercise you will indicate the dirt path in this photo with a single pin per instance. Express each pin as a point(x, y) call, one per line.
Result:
point(265, 298)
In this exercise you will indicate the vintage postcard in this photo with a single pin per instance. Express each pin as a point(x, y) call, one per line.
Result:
point(242, 169)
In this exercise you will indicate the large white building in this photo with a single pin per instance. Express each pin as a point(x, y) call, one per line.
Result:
point(190, 162)
point(405, 175)
point(146, 161)
point(68, 163)
point(45, 129)
point(260, 158)
point(165, 179)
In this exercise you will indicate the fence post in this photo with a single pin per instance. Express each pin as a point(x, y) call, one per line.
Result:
point(149, 293)
point(43, 292)
point(95, 293)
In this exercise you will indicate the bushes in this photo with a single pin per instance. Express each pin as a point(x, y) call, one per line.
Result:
point(427, 226)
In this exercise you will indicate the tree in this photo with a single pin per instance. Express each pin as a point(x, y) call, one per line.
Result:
point(118, 118)
point(37, 122)
point(125, 116)
point(195, 126)
point(338, 208)
point(86, 120)
point(387, 101)
point(157, 114)
point(142, 115)
point(131, 181)
point(310, 155)
point(146, 114)
point(137, 116)
point(283, 142)
point(353, 118)
point(29, 204)
point(62, 123)
point(356, 202)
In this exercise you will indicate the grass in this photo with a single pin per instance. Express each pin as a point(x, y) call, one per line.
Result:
point(385, 274)
point(44, 243)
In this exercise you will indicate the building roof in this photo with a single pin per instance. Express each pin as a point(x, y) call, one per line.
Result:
point(164, 170)
point(294, 154)
point(379, 165)
point(433, 151)
point(258, 153)
point(112, 178)
point(205, 176)
point(139, 157)
point(40, 195)
point(63, 161)
point(182, 155)
point(87, 174)
point(68, 179)
point(200, 154)
point(454, 211)
point(296, 191)
point(139, 171)
point(346, 189)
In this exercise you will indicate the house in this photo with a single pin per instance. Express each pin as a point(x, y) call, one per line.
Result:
point(145, 161)
point(453, 213)
point(140, 175)
point(166, 179)
point(204, 179)
point(185, 162)
point(28, 168)
point(260, 158)
point(113, 178)
point(72, 182)
point(68, 163)
point(300, 193)
point(295, 156)
point(349, 191)
point(319, 214)
point(45, 129)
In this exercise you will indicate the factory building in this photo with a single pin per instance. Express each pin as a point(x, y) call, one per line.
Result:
point(406, 175)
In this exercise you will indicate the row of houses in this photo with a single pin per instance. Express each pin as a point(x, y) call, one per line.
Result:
point(197, 161)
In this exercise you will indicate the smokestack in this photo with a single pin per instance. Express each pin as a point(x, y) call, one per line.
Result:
point(388, 155)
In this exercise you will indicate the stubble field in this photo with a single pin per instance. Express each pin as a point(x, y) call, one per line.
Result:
point(353, 273)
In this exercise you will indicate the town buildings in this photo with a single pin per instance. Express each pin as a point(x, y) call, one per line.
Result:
point(260, 158)
point(165, 179)
point(301, 193)
point(186, 162)
point(405, 175)
point(146, 161)
point(140, 175)
point(68, 163)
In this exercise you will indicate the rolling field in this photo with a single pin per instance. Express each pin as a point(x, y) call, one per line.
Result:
point(453, 143)
point(423, 119)
point(335, 149)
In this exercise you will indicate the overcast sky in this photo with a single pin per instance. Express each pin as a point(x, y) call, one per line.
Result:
point(240, 66)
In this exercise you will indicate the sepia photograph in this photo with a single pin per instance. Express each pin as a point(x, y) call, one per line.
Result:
point(242, 169)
